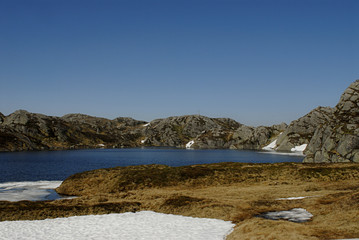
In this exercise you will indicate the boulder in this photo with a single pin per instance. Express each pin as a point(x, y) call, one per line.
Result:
point(20, 117)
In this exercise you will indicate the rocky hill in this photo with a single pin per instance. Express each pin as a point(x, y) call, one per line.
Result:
point(328, 134)
point(22, 130)
point(337, 140)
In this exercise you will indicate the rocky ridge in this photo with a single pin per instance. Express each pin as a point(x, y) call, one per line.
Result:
point(22, 130)
point(330, 134)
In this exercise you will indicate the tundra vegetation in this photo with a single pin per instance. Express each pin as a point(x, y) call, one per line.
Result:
point(237, 192)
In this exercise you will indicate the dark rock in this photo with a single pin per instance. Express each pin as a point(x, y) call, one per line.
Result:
point(1, 118)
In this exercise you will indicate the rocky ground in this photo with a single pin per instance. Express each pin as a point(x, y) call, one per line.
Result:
point(230, 191)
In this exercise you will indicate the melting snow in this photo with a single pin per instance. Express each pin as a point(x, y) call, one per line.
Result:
point(189, 144)
point(272, 146)
point(300, 148)
point(33, 191)
point(147, 124)
point(296, 151)
point(125, 226)
point(295, 215)
point(293, 198)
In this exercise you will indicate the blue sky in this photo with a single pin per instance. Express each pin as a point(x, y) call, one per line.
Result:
point(258, 62)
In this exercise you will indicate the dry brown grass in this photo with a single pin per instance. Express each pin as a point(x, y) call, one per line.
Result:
point(234, 192)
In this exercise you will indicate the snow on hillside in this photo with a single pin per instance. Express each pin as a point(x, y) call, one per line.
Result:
point(189, 144)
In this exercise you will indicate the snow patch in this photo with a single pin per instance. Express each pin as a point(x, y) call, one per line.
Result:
point(295, 198)
point(300, 148)
point(189, 144)
point(272, 146)
point(33, 191)
point(295, 215)
point(125, 226)
point(147, 124)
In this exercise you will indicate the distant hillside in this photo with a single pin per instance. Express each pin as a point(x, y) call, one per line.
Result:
point(330, 134)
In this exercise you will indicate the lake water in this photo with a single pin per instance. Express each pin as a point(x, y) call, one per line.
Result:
point(58, 165)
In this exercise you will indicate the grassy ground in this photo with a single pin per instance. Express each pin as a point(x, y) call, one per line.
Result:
point(229, 191)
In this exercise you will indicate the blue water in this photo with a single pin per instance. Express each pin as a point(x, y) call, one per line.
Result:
point(58, 165)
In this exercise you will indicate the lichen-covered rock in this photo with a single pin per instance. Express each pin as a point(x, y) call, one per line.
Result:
point(302, 130)
point(22, 130)
point(129, 122)
point(337, 140)
point(178, 131)
point(244, 137)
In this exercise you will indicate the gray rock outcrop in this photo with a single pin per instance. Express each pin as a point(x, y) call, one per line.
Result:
point(337, 140)
point(244, 137)
point(178, 131)
point(129, 122)
point(302, 130)
point(22, 131)
point(207, 133)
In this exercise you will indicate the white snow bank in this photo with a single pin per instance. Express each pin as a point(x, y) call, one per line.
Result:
point(189, 144)
point(17, 191)
point(294, 215)
point(272, 146)
point(296, 151)
point(296, 198)
point(291, 198)
point(147, 124)
point(125, 226)
point(300, 148)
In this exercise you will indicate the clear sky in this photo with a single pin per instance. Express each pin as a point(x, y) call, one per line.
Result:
point(260, 62)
